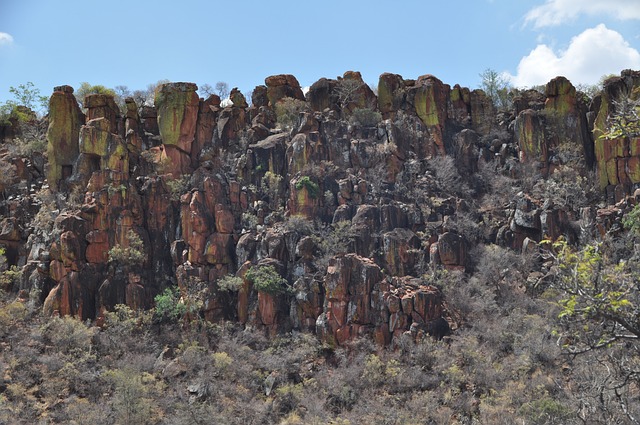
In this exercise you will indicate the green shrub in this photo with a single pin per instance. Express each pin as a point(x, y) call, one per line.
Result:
point(178, 187)
point(229, 283)
point(366, 117)
point(631, 220)
point(311, 186)
point(168, 305)
point(267, 279)
point(128, 256)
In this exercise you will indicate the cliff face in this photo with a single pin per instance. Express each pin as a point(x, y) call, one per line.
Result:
point(350, 211)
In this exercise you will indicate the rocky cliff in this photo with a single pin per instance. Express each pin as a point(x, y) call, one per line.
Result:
point(352, 200)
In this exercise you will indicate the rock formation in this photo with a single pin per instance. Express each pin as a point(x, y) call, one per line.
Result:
point(351, 216)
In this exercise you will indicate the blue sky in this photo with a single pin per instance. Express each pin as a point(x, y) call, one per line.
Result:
point(135, 43)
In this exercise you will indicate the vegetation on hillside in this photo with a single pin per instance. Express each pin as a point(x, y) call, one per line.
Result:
point(543, 333)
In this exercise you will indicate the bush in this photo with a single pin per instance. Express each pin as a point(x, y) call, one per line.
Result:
point(299, 224)
point(229, 283)
point(132, 255)
point(69, 335)
point(311, 186)
point(272, 185)
point(168, 305)
point(366, 117)
point(267, 279)
point(178, 187)
point(288, 111)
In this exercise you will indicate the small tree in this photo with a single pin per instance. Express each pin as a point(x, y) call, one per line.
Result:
point(347, 91)
point(497, 87)
point(28, 95)
point(222, 89)
point(25, 107)
point(86, 89)
point(206, 90)
point(625, 121)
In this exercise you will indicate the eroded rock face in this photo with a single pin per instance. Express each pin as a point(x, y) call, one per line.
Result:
point(65, 119)
point(359, 301)
point(255, 194)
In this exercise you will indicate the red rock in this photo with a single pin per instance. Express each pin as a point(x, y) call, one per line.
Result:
point(98, 247)
point(103, 106)
point(219, 249)
point(451, 250)
point(225, 222)
point(281, 86)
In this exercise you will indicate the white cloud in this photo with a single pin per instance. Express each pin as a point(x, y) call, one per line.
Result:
point(556, 12)
point(590, 55)
point(5, 39)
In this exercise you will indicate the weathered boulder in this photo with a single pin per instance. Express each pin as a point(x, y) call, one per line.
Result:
point(430, 97)
point(321, 95)
point(132, 127)
point(259, 97)
point(450, 250)
point(566, 114)
point(177, 107)
point(74, 295)
point(531, 137)
point(528, 99)
point(483, 112)
point(208, 111)
point(103, 106)
point(237, 98)
point(400, 249)
point(281, 86)
point(353, 93)
point(460, 105)
point(231, 122)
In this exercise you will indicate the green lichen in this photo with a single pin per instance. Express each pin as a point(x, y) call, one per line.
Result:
point(62, 135)
point(426, 106)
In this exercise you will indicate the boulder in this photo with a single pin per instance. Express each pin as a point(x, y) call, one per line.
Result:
point(281, 86)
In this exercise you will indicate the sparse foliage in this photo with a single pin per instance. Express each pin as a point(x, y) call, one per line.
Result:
point(366, 117)
point(86, 89)
point(222, 89)
point(497, 87)
point(288, 112)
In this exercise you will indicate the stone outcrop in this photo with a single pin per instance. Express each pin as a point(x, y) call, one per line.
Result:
point(359, 301)
point(281, 86)
point(65, 119)
point(350, 216)
point(618, 158)
point(545, 136)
